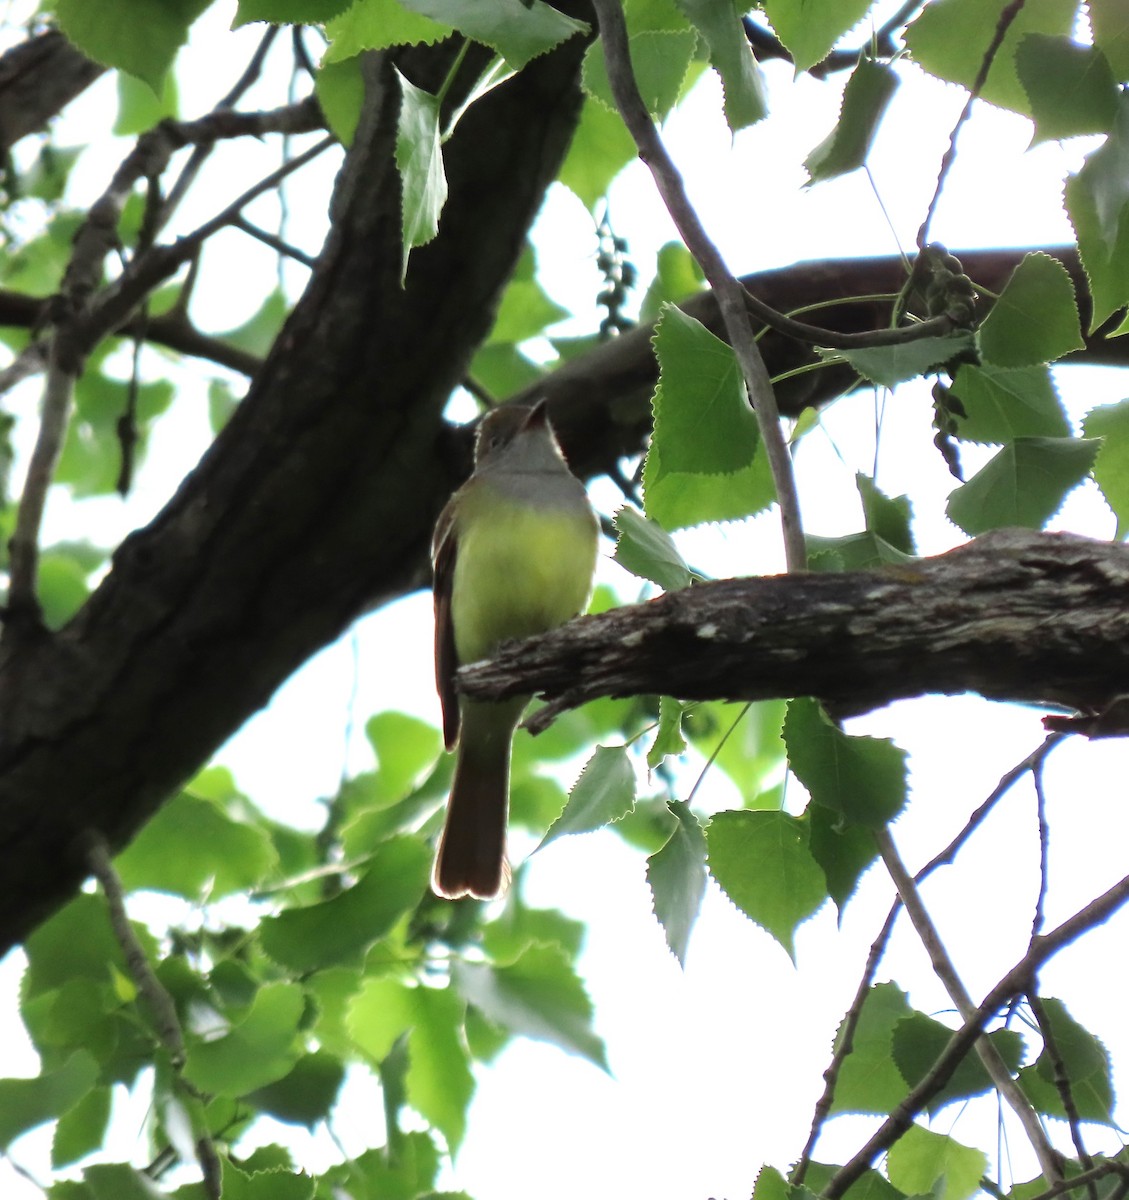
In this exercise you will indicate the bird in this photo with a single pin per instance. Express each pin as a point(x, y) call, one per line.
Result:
point(513, 555)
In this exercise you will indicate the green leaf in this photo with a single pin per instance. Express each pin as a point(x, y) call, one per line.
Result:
point(1035, 319)
point(764, 864)
point(744, 741)
point(406, 749)
point(920, 1040)
point(306, 1094)
point(1024, 484)
point(135, 35)
point(61, 587)
point(746, 100)
point(703, 463)
point(887, 517)
point(1071, 88)
point(525, 310)
point(76, 943)
point(1110, 25)
point(1110, 423)
point(439, 1082)
point(869, 1081)
point(1003, 404)
point(660, 60)
point(949, 39)
point(1084, 1062)
point(192, 848)
point(1097, 201)
point(677, 877)
point(25, 1103)
point(257, 335)
point(844, 852)
point(340, 89)
point(116, 1181)
point(703, 421)
point(677, 276)
point(809, 28)
point(288, 12)
point(646, 549)
point(920, 1159)
point(538, 996)
point(865, 99)
point(379, 25)
point(861, 779)
point(419, 159)
point(605, 792)
point(516, 30)
point(869, 1186)
point(259, 1049)
point(890, 365)
point(139, 108)
point(669, 741)
point(601, 147)
point(341, 929)
point(855, 552)
point(518, 927)
point(81, 1130)
point(278, 1184)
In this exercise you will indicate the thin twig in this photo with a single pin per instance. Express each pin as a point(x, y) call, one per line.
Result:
point(944, 857)
point(166, 1021)
point(1044, 847)
point(946, 972)
point(200, 152)
point(274, 242)
point(1007, 16)
point(160, 1002)
point(845, 1043)
point(1014, 983)
point(23, 548)
point(1084, 1179)
point(729, 292)
point(1061, 1079)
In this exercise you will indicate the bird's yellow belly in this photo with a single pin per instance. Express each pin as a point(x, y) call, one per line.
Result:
point(520, 572)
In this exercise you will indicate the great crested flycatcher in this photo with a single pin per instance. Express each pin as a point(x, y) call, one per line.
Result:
point(514, 553)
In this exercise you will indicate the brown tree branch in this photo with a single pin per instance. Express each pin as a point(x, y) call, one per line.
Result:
point(38, 78)
point(1013, 615)
point(1013, 984)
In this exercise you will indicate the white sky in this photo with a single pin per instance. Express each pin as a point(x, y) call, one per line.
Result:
point(714, 1070)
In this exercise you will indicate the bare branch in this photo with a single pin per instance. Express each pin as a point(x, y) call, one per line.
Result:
point(1014, 983)
point(944, 969)
point(23, 604)
point(38, 78)
point(1032, 762)
point(1007, 16)
point(729, 293)
point(1013, 615)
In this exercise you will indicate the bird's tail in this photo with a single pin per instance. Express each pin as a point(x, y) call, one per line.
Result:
point(471, 859)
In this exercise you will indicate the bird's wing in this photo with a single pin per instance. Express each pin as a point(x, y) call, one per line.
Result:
point(443, 551)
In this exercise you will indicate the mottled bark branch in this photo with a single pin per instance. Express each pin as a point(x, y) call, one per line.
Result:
point(1014, 615)
point(37, 79)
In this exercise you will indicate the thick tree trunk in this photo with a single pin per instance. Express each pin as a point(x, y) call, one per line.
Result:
point(315, 502)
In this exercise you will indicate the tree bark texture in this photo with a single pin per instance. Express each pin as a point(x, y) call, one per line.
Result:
point(314, 503)
point(1014, 615)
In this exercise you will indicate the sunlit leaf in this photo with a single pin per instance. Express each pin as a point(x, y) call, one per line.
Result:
point(646, 549)
point(677, 876)
point(1024, 484)
point(764, 864)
